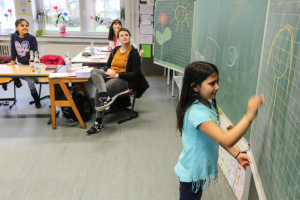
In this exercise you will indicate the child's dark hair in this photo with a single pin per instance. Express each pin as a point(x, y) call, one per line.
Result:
point(194, 74)
point(19, 21)
point(111, 33)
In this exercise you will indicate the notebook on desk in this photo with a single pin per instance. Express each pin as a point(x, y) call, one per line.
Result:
point(52, 67)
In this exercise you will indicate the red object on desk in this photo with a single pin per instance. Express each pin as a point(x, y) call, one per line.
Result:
point(51, 67)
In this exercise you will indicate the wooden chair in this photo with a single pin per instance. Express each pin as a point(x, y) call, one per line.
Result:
point(132, 114)
point(6, 81)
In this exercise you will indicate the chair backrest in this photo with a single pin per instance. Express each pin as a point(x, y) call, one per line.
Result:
point(4, 59)
point(52, 60)
point(141, 54)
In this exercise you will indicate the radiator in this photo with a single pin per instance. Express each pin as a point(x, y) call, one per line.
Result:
point(5, 49)
point(61, 49)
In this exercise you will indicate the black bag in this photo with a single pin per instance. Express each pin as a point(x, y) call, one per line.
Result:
point(84, 107)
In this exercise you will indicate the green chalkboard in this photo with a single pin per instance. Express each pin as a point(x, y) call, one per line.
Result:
point(275, 135)
point(229, 34)
point(173, 33)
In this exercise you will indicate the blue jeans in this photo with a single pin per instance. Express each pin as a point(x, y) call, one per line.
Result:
point(186, 193)
point(30, 81)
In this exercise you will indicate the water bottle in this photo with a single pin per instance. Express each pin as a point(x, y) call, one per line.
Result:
point(31, 61)
point(70, 62)
point(92, 48)
point(67, 60)
point(37, 66)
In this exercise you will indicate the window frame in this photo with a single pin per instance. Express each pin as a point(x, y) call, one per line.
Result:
point(6, 31)
point(83, 25)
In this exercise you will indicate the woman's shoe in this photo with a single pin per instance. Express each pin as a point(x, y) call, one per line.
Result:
point(104, 102)
point(95, 129)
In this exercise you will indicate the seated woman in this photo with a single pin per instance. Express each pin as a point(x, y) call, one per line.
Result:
point(122, 72)
point(114, 28)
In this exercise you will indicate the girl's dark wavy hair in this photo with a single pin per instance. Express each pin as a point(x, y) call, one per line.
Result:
point(194, 74)
point(19, 21)
point(111, 33)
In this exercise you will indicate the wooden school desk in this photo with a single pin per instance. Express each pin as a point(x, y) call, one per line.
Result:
point(62, 81)
point(20, 71)
point(90, 62)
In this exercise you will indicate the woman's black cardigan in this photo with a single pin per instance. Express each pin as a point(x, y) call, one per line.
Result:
point(133, 74)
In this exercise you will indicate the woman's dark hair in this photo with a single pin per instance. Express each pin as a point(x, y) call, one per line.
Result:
point(111, 33)
point(194, 74)
point(124, 29)
point(19, 21)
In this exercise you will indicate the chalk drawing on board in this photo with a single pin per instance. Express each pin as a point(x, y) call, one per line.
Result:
point(212, 51)
point(164, 35)
point(231, 56)
point(180, 15)
point(288, 28)
point(198, 56)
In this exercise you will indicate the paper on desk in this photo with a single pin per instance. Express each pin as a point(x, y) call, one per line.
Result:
point(70, 74)
point(97, 48)
point(87, 50)
point(76, 65)
point(101, 52)
point(80, 59)
point(97, 57)
point(87, 69)
point(101, 48)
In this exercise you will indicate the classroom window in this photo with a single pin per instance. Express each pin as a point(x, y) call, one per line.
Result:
point(80, 17)
point(100, 14)
point(62, 12)
point(7, 15)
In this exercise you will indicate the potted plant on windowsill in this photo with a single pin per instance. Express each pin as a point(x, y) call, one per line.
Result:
point(63, 18)
point(42, 18)
point(98, 18)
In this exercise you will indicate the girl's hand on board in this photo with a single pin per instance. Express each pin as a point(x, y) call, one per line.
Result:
point(243, 159)
point(253, 104)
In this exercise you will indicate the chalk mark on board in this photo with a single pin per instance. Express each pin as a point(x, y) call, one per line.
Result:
point(198, 56)
point(292, 119)
point(290, 30)
point(180, 15)
point(231, 56)
point(207, 39)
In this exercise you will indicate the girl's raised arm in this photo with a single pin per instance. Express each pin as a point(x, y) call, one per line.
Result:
point(229, 139)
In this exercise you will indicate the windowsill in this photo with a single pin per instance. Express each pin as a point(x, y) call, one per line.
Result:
point(64, 38)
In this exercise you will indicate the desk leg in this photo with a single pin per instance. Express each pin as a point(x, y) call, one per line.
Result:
point(173, 86)
point(168, 77)
point(52, 102)
point(70, 100)
point(83, 89)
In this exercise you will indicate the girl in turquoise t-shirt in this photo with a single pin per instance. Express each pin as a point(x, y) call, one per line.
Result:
point(198, 122)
